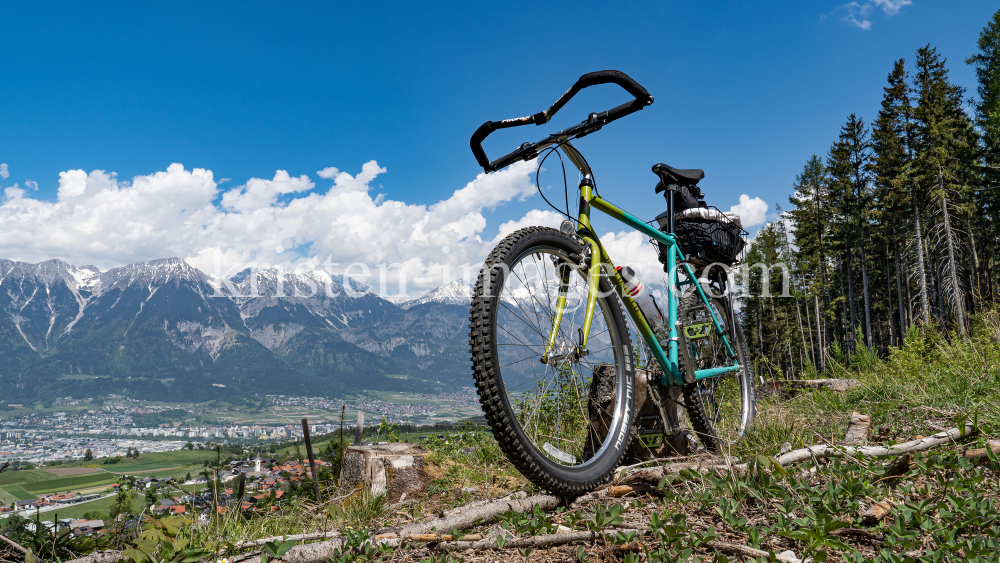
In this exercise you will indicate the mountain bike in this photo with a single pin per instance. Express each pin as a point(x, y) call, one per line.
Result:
point(551, 349)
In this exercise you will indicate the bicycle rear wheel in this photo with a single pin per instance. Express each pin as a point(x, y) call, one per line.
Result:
point(721, 408)
point(563, 423)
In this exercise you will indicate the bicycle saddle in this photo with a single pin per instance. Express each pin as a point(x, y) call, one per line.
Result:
point(671, 175)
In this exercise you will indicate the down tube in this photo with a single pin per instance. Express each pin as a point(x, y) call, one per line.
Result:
point(638, 318)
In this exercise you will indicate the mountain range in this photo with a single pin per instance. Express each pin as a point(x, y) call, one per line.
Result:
point(163, 330)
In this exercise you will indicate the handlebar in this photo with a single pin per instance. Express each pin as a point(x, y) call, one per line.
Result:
point(595, 121)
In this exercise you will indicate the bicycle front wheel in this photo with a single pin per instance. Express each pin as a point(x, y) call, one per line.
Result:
point(564, 423)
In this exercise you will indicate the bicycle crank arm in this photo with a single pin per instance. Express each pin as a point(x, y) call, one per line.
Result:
point(685, 346)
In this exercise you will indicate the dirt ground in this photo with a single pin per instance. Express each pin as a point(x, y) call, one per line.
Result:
point(67, 471)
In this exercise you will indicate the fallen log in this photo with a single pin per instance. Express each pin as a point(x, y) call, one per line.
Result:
point(981, 455)
point(429, 538)
point(826, 451)
point(832, 384)
point(545, 540)
point(111, 556)
point(296, 537)
point(745, 551)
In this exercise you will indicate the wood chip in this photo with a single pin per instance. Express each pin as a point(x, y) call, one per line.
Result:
point(877, 512)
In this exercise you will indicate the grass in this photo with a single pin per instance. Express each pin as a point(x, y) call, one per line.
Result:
point(70, 483)
point(26, 476)
point(152, 460)
point(18, 493)
point(946, 508)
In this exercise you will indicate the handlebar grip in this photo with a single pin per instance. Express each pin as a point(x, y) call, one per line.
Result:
point(592, 79)
point(515, 155)
point(616, 77)
point(484, 131)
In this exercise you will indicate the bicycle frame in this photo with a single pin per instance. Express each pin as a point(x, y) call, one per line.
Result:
point(600, 261)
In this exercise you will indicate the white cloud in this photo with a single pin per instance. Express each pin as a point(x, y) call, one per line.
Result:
point(4, 173)
point(857, 13)
point(31, 184)
point(892, 7)
point(751, 211)
point(99, 219)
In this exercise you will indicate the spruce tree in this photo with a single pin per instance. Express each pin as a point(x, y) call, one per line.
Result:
point(810, 221)
point(851, 197)
point(987, 65)
point(890, 157)
point(943, 166)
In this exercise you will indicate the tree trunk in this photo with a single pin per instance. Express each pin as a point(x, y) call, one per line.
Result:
point(899, 297)
point(952, 266)
point(864, 288)
point(974, 288)
point(820, 335)
point(845, 318)
point(925, 303)
point(940, 288)
point(850, 291)
point(888, 283)
point(812, 347)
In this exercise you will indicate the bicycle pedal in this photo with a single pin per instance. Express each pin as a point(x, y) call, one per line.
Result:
point(651, 431)
point(698, 331)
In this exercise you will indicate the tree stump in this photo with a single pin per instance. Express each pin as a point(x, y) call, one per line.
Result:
point(391, 469)
point(656, 407)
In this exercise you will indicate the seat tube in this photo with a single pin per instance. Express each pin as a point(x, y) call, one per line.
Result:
point(672, 312)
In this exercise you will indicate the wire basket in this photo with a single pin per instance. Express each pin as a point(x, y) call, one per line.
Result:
point(706, 236)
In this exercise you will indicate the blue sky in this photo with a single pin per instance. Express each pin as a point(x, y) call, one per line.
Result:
point(745, 90)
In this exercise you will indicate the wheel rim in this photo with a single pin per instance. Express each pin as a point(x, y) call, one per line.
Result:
point(554, 404)
point(724, 397)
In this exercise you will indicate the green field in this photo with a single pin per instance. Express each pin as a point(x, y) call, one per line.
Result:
point(18, 493)
point(71, 483)
point(153, 460)
point(27, 476)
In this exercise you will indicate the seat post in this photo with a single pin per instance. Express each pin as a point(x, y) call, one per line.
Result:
point(670, 207)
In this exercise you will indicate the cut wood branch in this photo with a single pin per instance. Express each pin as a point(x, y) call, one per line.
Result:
point(825, 451)
point(428, 538)
point(13, 544)
point(832, 384)
point(482, 514)
point(111, 556)
point(745, 551)
point(296, 537)
point(545, 540)
point(877, 512)
point(981, 455)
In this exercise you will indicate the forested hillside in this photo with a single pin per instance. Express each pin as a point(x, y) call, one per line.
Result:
point(895, 227)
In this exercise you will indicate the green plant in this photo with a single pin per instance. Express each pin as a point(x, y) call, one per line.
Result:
point(275, 550)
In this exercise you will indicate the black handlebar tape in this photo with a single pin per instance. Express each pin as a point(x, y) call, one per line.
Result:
point(514, 156)
point(622, 110)
point(484, 131)
point(592, 79)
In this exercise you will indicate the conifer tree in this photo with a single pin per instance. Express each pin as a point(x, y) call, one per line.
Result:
point(987, 65)
point(890, 157)
point(944, 158)
point(851, 197)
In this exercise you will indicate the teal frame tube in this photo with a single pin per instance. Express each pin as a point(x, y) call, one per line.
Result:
point(667, 359)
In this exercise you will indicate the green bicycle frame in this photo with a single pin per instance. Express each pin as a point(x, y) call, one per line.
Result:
point(599, 260)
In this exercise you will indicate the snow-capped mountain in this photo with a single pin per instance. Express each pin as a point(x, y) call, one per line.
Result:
point(458, 292)
point(162, 329)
